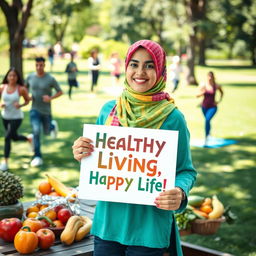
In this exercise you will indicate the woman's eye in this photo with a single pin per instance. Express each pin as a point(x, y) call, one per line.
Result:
point(149, 66)
point(133, 65)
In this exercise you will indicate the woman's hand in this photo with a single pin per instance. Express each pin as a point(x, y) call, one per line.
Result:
point(16, 104)
point(82, 147)
point(169, 199)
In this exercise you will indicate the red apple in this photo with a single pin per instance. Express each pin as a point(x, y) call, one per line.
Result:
point(46, 238)
point(9, 228)
point(64, 215)
point(58, 207)
point(45, 223)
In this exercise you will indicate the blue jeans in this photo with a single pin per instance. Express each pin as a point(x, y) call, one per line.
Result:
point(111, 248)
point(37, 120)
point(208, 114)
point(175, 84)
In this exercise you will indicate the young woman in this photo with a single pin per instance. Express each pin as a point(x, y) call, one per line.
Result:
point(11, 90)
point(209, 105)
point(131, 229)
point(115, 66)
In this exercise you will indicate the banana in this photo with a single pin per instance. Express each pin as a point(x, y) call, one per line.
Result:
point(218, 208)
point(58, 186)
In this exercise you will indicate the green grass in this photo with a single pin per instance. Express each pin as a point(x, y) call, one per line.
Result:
point(228, 172)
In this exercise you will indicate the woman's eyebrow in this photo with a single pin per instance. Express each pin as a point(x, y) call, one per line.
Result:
point(147, 61)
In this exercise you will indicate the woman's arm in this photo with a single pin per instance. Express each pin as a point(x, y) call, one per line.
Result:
point(2, 105)
point(219, 88)
point(201, 91)
point(24, 93)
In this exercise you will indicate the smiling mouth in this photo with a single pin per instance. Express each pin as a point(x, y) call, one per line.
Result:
point(140, 80)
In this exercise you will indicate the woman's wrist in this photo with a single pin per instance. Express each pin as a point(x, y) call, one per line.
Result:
point(183, 194)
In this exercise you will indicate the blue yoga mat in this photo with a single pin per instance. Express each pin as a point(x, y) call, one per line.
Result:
point(213, 143)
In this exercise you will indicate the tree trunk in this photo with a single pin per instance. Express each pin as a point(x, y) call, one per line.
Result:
point(16, 15)
point(230, 51)
point(59, 30)
point(16, 51)
point(191, 79)
point(193, 15)
point(253, 48)
point(201, 45)
point(253, 55)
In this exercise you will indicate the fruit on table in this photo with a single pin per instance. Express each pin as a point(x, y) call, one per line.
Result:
point(46, 238)
point(85, 229)
point(58, 224)
point(32, 215)
point(59, 187)
point(33, 224)
point(51, 214)
point(64, 215)
point(45, 187)
point(9, 227)
point(68, 235)
point(218, 208)
point(25, 241)
point(33, 208)
point(11, 188)
point(46, 221)
point(59, 207)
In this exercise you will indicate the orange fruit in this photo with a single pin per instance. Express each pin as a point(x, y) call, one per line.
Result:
point(58, 223)
point(51, 214)
point(206, 208)
point(32, 215)
point(207, 201)
point(45, 187)
point(43, 207)
point(33, 208)
point(53, 193)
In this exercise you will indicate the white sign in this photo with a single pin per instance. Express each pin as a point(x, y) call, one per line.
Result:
point(130, 165)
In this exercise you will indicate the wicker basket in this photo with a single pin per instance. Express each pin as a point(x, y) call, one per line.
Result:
point(185, 232)
point(206, 227)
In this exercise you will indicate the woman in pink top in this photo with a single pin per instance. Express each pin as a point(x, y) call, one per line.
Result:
point(11, 90)
point(209, 105)
point(115, 66)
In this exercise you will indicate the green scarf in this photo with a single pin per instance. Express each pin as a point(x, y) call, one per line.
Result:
point(145, 110)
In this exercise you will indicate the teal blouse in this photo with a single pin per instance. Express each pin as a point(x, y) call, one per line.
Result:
point(144, 225)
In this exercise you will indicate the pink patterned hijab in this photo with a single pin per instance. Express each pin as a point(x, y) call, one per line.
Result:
point(155, 50)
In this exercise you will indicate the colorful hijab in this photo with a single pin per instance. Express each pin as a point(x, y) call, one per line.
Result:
point(148, 109)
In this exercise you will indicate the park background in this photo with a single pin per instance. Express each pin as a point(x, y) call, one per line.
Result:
point(225, 31)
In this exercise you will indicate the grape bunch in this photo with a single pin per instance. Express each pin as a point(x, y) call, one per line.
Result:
point(184, 219)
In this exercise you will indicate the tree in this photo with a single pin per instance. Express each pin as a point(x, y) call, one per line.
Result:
point(16, 15)
point(195, 11)
point(127, 21)
point(58, 14)
point(249, 29)
point(155, 13)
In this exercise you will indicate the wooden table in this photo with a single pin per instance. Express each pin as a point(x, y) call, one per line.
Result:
point(85, 247)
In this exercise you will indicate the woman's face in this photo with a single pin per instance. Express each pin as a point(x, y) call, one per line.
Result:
point(210, 76)
point(141, 72)
point(12, 77)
